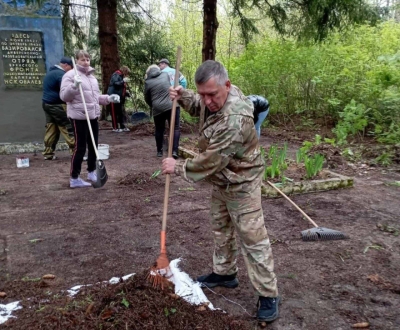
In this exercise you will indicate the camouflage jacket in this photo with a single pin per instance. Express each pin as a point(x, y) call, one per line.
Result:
point(229, 155)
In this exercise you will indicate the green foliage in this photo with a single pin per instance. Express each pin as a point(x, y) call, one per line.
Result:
point(300, 156)
point(353, 77)
point(125, 302)
point(155, 174)
point(187, 118)
point(276, 157)
point(384, 159)
point(353, 120)
point(313, 165)
point(311, 19)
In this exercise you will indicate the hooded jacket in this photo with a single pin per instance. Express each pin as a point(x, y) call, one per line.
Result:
point(52, 84)
point(156, 91)
point(91, 92)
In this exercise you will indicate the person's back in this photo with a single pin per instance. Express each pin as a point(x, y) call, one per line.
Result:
point(51, 85)
point(157, 91)
point(54, 109)
point(164, 67)
point(261, 110)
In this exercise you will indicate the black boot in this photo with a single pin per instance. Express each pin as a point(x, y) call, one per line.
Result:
point(159, 153)
point(175, 154)
point(212, 280)
point(267, 309)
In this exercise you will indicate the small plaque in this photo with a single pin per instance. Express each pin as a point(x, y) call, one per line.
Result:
point(23, 59)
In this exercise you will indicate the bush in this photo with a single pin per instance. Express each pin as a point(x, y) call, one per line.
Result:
point(354, 73)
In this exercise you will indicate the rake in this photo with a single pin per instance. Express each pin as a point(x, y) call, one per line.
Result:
point(158, 275)
point(317, 233)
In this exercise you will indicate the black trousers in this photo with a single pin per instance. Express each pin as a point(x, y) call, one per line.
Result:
point(159, 122)
point(82, 138)
point(117, 115)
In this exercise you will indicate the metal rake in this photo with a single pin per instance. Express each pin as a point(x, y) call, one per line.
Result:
point(317, 233)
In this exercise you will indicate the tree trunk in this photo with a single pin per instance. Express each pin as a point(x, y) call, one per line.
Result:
point(210, 26)
point(109, 54)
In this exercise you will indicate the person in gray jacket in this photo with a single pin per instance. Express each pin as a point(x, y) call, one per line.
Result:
point(156, 95)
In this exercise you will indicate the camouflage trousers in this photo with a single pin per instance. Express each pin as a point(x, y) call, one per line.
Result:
point(56, 122)
point(242, 212)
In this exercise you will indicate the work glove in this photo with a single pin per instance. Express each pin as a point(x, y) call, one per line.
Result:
point(113, 98)
point(126, 79)
point(77, 80)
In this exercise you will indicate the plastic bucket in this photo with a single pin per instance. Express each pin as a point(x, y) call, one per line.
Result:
point(104, 151)
point(22, 162)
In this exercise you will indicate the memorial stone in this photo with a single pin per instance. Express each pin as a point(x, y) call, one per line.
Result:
point(30, 43)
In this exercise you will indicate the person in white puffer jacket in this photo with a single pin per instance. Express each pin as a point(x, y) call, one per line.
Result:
point(70, 94)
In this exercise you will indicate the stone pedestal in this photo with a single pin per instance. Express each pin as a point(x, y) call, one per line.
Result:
point(30, 43)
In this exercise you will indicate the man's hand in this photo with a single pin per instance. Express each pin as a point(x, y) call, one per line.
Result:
point(175, 93)
point(168, 166)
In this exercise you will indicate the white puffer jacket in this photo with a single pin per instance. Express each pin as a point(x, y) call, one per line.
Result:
point(91, 92)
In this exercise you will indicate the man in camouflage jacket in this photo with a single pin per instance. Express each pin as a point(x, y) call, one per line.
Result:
point(231, 161)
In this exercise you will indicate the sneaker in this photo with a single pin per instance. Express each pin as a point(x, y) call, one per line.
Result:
point(117, 130)
point(78, 183)
point(175, 154)
point(267, 309)
point(159, 153)
point(212, 280)
point(50, 158)
point(92, 176)
point(126, 129)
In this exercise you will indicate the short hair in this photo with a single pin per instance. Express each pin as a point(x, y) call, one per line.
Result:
point(164, 60)
point(81, 53)
point(153, 66)
point(124, 69)
point(210, 69)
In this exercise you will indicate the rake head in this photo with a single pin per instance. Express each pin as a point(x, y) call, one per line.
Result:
point(159, 273)
point(321, 234)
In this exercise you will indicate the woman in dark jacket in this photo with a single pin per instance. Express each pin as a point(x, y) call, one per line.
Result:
point(118, 85)
point(156, 95)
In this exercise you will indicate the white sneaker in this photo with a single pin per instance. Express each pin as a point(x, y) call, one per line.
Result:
point(126, 129)
point(92, 176)
point(78, 183)
point(117, 130)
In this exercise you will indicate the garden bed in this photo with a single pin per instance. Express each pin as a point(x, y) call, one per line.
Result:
point(325, 180)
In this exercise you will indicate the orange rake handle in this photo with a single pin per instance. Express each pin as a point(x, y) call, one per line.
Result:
point(163, 240)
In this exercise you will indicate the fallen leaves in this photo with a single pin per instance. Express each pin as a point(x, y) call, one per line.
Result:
point(48, 277)
point(360, 325)
point(376, 279)
point(203, 307)
point(3, 294)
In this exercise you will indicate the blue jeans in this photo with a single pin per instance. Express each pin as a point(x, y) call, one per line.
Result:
point(261, 118)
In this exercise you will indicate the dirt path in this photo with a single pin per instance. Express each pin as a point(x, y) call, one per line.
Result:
point(86, 235)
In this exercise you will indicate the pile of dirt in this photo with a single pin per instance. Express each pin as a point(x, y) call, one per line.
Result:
point(141, 179)
point(332, 155)
point(131, 304)
point(143, 129)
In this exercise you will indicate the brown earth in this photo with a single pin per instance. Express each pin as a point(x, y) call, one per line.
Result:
point(85, 236)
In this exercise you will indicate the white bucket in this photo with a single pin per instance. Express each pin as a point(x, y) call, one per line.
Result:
point(104, 151)
point(22, 162)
